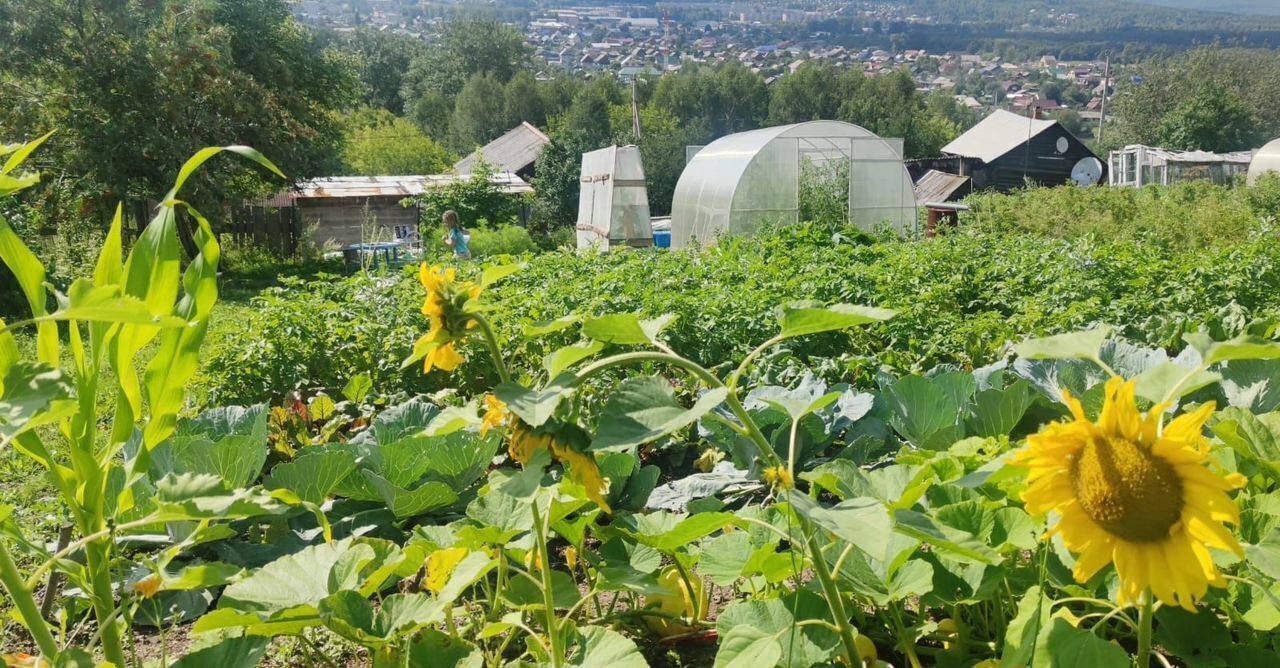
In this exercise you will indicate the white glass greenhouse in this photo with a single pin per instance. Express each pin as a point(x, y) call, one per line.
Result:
point(738, 182)
point(1267, 160)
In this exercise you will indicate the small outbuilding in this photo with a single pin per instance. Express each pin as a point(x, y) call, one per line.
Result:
point(346, 210)
point(1137, 165)
point(1006, 151)
point(515, 152)
point(613, 202)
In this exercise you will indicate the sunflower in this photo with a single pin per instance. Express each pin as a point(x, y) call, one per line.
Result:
point(1129, 493)
point(495, 416)
point(446, 307)
point(584, 471)
point(525, 441)
point(444, 357)
point(558, 439)
point(778, 477)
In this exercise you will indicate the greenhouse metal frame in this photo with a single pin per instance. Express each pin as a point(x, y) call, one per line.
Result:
point(741, 181)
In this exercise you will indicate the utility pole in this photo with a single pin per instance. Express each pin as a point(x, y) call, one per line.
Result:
point(635, 110)
point(1106, 86)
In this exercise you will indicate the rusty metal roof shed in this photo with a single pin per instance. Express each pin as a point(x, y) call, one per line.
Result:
point(363, 187)
point(513, 152)
point(337, 187)
point(937, 186)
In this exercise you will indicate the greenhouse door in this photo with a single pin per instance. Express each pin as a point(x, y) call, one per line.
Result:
point(876, 187)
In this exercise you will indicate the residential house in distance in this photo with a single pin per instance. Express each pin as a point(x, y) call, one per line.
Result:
point(1006, 151)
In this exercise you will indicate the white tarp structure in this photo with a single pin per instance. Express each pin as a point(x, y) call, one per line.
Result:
point(738, 182)
point(613, 204)
point(1267, 160)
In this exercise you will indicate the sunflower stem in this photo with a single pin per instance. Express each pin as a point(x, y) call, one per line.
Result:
point(494, 349)
point(1144, 631)
point(548, 594)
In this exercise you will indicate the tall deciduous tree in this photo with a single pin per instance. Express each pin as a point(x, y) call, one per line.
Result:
point(381, 59)
point(135, 88)
point(814, 91)
point(1173, 102)
point(890, 106)
point(523, 101)
point(467, 48)
point(382, 144)
point(479, 114)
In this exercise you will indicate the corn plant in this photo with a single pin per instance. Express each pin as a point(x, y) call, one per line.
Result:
point(143, 311)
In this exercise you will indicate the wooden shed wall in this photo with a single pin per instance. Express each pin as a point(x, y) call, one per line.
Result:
point(341, 221)
point(1037, 161)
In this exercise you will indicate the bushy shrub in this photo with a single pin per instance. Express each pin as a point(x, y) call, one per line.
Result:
point(318, 334)
point(962, 298)
point(1183, 216)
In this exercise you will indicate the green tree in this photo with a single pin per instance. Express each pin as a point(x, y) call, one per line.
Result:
point(890, 106)
point(1214, 119)
point(479, 115)
point(523, 101)
point(381, 59)
point(135, 88)
point(556, 182)
point(727, 99)
point(1167, 100)
point(382, 144)
point(478, 200)
point(812, 92)
point(1074, 123)
point(467, 48)
point(741, 101)
point(587, 118)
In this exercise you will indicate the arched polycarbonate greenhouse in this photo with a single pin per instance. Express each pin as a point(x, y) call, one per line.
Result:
point(738, 182)
point(1266, 160)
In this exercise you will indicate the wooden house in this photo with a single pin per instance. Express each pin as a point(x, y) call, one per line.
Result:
point(1006, 151)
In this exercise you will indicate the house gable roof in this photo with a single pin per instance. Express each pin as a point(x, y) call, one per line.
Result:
point(512, 152)
point(996, 135)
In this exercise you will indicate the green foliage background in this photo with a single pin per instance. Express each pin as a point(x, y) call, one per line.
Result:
point(961, 297)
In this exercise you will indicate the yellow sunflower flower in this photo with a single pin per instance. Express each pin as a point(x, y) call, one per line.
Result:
point(525, 441)
point(582, 469)
point(1131, 494)
point(147, 587)
point(495, 416)
point(444, 357)
point(450, 318)
point(778, 477)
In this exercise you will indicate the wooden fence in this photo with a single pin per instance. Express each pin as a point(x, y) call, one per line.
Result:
point(267, 227)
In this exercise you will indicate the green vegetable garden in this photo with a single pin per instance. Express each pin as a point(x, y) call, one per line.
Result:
point(1013, 445)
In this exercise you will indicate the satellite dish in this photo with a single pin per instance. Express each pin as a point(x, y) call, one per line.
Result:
point(1063, 145)
point(1087, 172)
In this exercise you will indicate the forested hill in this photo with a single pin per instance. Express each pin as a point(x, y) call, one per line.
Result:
point(1070, 29)
point(1265, 7)
point(1090, 15)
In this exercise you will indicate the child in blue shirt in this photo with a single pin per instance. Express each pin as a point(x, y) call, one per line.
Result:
point(455, 236)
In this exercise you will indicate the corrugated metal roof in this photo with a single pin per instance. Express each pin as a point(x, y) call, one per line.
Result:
point(936, 186)
point(336, 187)
point(512, 152)
point(996, 135)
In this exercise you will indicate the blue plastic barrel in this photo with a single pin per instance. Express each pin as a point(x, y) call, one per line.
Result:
point(662, 238)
